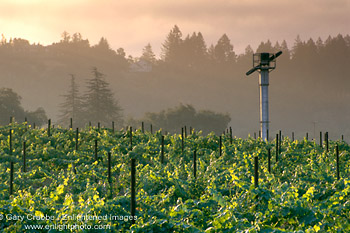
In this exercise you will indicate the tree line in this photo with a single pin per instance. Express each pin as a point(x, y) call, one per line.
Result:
point(312, 74)
point(96, 105)
point(11, 109)
point(99, 105)
point(187, 52)
point(171, 120)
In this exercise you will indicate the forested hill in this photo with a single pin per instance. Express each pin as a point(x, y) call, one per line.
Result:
point(310, 86)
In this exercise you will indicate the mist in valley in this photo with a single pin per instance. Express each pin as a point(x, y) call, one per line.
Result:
point(309, 89)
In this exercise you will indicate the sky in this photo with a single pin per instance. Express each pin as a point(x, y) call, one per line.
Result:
point(132, 24)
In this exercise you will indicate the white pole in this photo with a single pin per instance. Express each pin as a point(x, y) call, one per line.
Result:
point(264, 102)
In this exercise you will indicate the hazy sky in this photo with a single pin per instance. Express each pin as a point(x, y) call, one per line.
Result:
point(131, 24)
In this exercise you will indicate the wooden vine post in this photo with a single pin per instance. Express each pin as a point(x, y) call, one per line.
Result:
point(269, 160)
point(130, 138)
point(109, 168)
point(77, 139)
point(96, 150)
point(133, 191)
point(195, 164)
point(182, 140)
point(277, 150)
point(162, 152)
point(11, 178)
point(256, 171)
point(24, 169)
point(220, 146)
point(10, 141)
point(267, 135)
point(49, 128)
point(337, 155)
point(280, 142)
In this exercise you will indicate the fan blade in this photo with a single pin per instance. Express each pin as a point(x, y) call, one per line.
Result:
point(251, 70)
point(275, 55)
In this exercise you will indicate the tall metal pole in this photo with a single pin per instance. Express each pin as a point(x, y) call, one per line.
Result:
point(263, 63)
point(264, 102)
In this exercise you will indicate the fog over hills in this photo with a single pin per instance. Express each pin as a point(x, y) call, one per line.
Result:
point(309, 88)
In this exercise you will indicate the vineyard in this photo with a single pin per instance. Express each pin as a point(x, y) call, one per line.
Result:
point(59, 177)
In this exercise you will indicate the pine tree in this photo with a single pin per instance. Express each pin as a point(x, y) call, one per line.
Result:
point(224, 50)
point(65, 37)
point(171, 48)
point(148, 54)
point(319, 44)
point(72, 106)
point(195, 51)
point(99, 102)
point(200, 46)
point(103, 44)
point(297, 47)
point(265, 47)
point(285, 50)
point(249, 51)
point(245, 59)
point(211, 53)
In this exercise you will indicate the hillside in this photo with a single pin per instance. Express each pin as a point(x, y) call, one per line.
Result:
point(310, 83)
